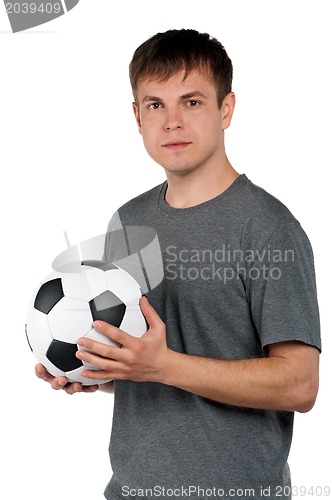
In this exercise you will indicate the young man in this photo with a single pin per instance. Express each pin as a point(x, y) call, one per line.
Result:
point(205, 400)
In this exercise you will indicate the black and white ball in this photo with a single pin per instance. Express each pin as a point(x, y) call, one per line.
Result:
point(64, 306)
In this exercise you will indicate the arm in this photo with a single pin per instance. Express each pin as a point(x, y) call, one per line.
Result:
point(108, 387)
point(286, 380)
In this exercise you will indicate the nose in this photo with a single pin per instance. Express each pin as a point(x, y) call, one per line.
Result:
point(173, 120)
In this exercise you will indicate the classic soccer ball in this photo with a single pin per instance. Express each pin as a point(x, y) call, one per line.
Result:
point(64, 306)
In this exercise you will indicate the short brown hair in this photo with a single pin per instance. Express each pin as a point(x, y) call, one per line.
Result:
point(164, 54)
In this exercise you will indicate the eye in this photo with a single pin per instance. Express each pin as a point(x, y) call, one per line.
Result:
point(192, 103)
point(154, 105)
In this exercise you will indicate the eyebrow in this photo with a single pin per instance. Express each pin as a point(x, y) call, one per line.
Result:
point(195, 93)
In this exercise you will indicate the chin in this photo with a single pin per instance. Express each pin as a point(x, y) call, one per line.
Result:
point(179, 168)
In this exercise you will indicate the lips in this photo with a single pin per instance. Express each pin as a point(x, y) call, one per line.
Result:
point(176, 145)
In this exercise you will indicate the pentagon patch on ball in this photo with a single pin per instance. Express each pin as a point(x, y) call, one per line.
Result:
point(64, 306)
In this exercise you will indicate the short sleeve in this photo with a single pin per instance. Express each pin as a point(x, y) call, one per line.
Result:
point(281, 288)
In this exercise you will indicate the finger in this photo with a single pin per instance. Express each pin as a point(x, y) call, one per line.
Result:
point(115, 333)
point(150, 314)
point(109, 374)
point(56, 382)
point(72, 388)
point(95, 360)
point(100, 348)
point(41, 372)
point(90, 388)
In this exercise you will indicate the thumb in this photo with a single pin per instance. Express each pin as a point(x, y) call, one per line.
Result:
point(150, 313)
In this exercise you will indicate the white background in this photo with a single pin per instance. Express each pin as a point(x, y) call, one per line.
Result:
point(70, 155)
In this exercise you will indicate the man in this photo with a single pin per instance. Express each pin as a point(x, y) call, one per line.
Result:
point(205, 400)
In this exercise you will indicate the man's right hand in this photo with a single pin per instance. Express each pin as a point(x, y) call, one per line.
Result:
point(62, 382)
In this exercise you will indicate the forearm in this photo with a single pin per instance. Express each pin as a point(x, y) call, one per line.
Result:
point(264, 383)
point(285, 380)
point(108, 387)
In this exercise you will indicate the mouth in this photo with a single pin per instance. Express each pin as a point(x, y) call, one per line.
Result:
point(176, 145)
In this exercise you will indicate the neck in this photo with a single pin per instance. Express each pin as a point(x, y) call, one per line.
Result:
point(188, 190)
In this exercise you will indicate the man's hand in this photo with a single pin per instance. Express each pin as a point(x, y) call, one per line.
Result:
point(62, 382)
point(139, 359)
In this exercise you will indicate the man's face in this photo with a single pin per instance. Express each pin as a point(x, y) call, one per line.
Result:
point(180, 122)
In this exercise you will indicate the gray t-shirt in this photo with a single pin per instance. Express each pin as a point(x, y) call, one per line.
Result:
point(238, 275)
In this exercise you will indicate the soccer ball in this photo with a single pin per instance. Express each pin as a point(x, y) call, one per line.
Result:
point(64, 306)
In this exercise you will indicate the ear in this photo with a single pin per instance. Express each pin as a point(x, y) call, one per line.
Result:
point(227, 110)
point(137, 116)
